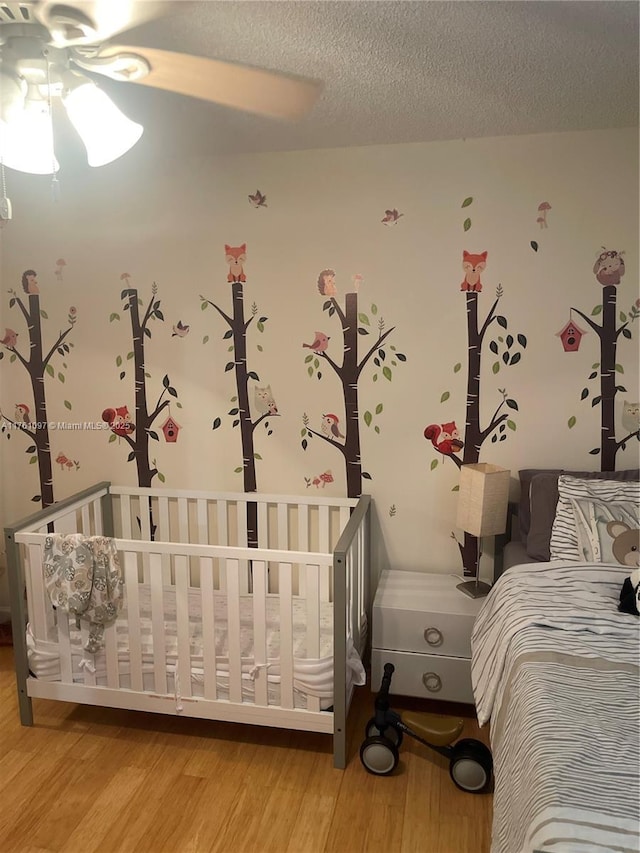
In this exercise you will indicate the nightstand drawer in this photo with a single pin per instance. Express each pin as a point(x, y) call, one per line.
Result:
point(428, 633)
point(426, 676)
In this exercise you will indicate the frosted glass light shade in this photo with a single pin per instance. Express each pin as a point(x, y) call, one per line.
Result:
point(483, 499)
point(26, 142)
point(106, 132)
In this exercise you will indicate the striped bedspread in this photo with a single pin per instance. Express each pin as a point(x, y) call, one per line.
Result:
point(555, 667)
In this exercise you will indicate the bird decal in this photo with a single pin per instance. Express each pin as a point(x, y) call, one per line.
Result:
point(258, 199)
point(320, 343)
point(21, 414)
point(10, 338)
point(180, 330)
point(391, 217)
point(330, 427)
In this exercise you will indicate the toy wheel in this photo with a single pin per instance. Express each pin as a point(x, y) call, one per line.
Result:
point(379, 756)
point(393, 734)
point(471, 766)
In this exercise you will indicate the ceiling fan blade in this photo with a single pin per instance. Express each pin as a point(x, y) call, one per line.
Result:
point(239, 86)
point(77, 22)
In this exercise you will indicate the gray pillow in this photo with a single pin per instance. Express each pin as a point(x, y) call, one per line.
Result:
point(524, 511)
point(543, 497)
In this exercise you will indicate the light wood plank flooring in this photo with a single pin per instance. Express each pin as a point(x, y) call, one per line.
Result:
point(90, 779)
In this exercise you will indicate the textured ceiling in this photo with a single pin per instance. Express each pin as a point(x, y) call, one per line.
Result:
point(400, 71)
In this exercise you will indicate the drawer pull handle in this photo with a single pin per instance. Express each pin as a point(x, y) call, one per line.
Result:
point(433, 637)
point(432, 682)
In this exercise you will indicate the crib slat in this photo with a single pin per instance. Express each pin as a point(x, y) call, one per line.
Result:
point(208, 628)
point(144, 508)
point(64, 647)
point(283, 528)
point(183, 520)
point(157, 624)
point(125, 516)
point(97, 517)
point(133, 619)
point(303, 543)
point(181, 568)
point(233, 629)
point(313, 623)
point(263, 525)
point(243, 570)
point(40, 610)
point(164, 534)
point(86, 521)
point(221, 514)
point(323, 546)
point(260, 631)
point(286, 637)
point(111, 651)
point(203, 522)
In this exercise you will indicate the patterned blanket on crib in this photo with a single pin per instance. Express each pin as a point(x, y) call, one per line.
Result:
point(83, 577)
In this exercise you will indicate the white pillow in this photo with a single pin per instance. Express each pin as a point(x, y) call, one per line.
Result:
point(564, 537)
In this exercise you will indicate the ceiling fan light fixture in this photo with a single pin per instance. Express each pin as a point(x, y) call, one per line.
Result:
point(106, 132)
point(26, 141)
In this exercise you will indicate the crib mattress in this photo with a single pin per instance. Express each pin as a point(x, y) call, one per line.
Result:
point(311, 676)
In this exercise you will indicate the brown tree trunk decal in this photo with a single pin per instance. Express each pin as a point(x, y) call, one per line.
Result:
point(608, 269)
point(34, 423)
point(138, 434)
point(241, 411)
point(349, 372)
point(507, 351)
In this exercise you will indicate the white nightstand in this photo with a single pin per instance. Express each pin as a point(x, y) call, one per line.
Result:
point(422, 625)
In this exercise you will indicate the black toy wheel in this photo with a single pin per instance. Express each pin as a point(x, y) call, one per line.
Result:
point(394, 735)
point(379, 756)
point(471, 766)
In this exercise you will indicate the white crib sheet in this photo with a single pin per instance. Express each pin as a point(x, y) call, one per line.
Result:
point(312, 677)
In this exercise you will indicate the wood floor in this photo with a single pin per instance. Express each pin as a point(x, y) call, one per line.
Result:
point(89, 779)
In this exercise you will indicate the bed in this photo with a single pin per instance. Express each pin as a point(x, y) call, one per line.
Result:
point(206, 627)
point(555, 669)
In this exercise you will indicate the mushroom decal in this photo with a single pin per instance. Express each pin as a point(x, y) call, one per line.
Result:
point(542, 214)
point(60, 263)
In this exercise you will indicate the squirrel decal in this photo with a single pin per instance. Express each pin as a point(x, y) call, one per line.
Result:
point(444, 437)
point(119, 420)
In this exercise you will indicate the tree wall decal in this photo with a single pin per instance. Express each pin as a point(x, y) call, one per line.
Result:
point(353, 325)
point(34, 423)
point(506, 348)
point(138, 432)
point(241, 408)
point(608, 269)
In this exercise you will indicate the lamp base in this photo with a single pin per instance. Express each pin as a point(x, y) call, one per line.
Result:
point(474, 589)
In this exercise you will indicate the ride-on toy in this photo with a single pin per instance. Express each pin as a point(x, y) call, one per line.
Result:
point(470, 761)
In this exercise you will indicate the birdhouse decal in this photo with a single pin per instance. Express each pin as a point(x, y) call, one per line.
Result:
point(170, 428)
point(571, 335)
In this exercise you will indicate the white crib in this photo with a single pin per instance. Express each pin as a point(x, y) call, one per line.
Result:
point(211, 628)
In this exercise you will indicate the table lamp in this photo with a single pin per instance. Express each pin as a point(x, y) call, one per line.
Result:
point(482, 511)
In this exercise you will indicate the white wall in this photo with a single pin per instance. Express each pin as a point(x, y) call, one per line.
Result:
point(324, 210)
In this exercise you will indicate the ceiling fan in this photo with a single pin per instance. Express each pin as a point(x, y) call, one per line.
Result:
point(45, 47)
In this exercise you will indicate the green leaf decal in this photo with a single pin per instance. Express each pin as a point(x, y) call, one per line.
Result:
point(118, 361)
point(496, 366)
point(67, 404)
point(571, 422)
point(457, 367)
point(597, 310)
point(368, 417)
point(364, 319)
point(466, 224)
point(33, 459)
point(379, 408)
point(511, 424)
point(161, 477)
point(237, 470)
point(434, 464)
point(386, 372)
point(205, 339)
point(50, 370)
point(113, 317)
point(374, 310)
point(467, 201)
point(445, 397)
point(44, 314)
point(61, 377)
point(112, 437)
